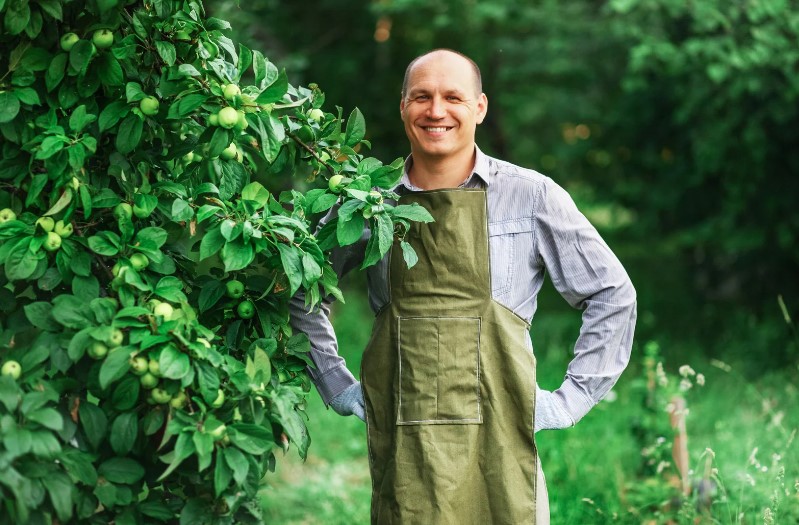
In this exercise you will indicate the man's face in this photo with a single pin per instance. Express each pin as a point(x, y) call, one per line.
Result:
point(441, 109)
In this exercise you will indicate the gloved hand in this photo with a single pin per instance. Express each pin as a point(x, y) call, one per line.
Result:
point(350, 401)
point(549, 414)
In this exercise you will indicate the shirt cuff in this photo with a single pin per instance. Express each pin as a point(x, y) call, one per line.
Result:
point(573, 400)
point(333, 382)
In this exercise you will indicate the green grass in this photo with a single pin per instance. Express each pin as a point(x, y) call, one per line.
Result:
point(595, 471)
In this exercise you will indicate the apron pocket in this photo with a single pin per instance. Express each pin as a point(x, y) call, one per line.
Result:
point(439, 370)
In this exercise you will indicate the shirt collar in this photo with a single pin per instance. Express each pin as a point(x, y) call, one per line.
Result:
point(480, 173)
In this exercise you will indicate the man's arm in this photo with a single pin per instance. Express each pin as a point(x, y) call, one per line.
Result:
point(590, 277)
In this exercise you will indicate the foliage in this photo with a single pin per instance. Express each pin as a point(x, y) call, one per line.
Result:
point(149, 370)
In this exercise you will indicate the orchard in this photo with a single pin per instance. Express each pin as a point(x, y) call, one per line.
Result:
point(149, 371)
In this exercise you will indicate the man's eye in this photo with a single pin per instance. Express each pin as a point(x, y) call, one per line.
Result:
point(422, 97)
point(453, 99)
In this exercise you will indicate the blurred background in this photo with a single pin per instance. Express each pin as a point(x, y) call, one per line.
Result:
point(675, 127)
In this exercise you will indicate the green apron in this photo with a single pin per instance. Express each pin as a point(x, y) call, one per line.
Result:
point(449, 381)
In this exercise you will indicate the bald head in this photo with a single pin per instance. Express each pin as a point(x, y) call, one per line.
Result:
point(468, 62)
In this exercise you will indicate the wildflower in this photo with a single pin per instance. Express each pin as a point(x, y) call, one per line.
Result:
point(686, 371)
point(768, 518)
point(709, 452)
point(661, 375)
point(685, 385)
point(749, 479)
point(700, 379)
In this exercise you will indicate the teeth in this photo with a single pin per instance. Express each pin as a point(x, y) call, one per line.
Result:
point(436, 130)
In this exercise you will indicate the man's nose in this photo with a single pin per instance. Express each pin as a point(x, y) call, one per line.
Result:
point(437, 109)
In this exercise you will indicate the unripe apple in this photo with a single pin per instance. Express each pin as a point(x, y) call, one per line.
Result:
point(148, 380)
point(220, 399)
point(123, 209)
point(103, 38)
point(97, 350)
point(154, 367)
point(164, 309)
point(64, 230)
point(116, 338)
point(139, 365)
point(160, 396)
point(234, 288)
point(179, 400)
point(218, 432)
point(11, 369)
point(45, 223)
point(229, 153)
point(149, 106)
point(7, 214)
point(228, 117)
point(246, 309)
point(183, 36)
point(53, 242)
point(213, 119)
point(316, 114)
point(139, 261)
point(68, 41)
point(231, 91)
point(241, 123)
point(188, 157)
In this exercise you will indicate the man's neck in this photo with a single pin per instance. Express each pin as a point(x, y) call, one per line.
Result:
point(434, 173)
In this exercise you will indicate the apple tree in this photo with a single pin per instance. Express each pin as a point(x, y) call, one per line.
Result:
point(147, 258)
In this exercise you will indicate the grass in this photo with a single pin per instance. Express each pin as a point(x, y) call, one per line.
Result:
point(740, 437)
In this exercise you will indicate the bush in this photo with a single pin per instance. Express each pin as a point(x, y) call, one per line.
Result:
point(149, 370)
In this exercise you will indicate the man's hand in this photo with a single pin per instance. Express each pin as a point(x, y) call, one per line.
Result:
point(350, 401)
point(549, 414)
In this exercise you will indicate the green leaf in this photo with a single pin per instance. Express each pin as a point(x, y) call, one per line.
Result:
point(10, 393)
point(109, 70)
point(253, 439)
point(61, 491)
point(174, 364)
point(115, 365)
point(255, 191)
point(311, 269)
point(412, 212)
point(81, 54)
point(111, 114)
point(21, 263)
point(184, 447)
point(121, 470)
point(275, 91)
point(126, 393)
point(220, 140)
point(38, 314)
point(181, 210)
point(356, 128)
point(208, 378)
point(79, 119)
point(146, 202)
point(50, 146)
point(133, 92)
point(222, 473)
point(52, 8)
point(237, 255)
point(71, 312)
point(212, 243)
point(210, 294)
point(62, 202)
point(204, 443)
point(152, 235)
point(28, 96)
point(78, 465)
point(186, 106)
point(93, 421)
point(386, 176)
point(409, 254)
point(9, 107)
point(385, 233)
point(167, 51)
point(129, 134)
point(124, 430)
point(324, 202)
point(48, 418)
point(55, 73)
point(44, 444)
point(238, 464)
point(292, 265)
point(17, 17)
point(350, 231)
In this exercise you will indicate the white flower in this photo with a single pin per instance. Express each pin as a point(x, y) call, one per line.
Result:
point(686, 371)
point(700, 379)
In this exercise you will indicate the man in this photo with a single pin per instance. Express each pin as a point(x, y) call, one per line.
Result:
point(448, 386)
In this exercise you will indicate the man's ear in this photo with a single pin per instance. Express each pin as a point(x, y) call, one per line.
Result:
point(482, 107)
point(402, 104)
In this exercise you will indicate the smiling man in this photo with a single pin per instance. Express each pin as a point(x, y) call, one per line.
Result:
point(448, 386)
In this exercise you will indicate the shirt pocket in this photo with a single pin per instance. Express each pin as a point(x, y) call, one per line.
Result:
point(507, 241)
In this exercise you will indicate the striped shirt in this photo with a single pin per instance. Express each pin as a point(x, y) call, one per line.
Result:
point(534, 228)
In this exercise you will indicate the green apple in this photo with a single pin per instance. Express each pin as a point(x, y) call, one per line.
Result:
point(149, 106)
point(123, 209)
point(139, 365)
point(53, 242)
point(213, 119)
point(12, 369)
point(152, 303)
point(64, 230)
point(374, 197)
point(68, 41)
point(116, 338)
point(148, 380)
point(164, 309)
point(316, 114)
point(45, 223)
point(234, 288)
point(228, 117)
point(241, 123)
point(188, 157)
point(220, 399)
point(97, 350)
point(179, 400)
point(203, 341)
point(336, 183)
point(231, 91)
point(74, 183)
point(229, 153)
point(368, 212)
point(154, 367)
point(160, 396)
point(246, 309)
point(211, 49)
point(305, 134)
point(139, 261)
point(103, 38)
point(183, 36)
point(218, 432)
point(7, 214)
point(177, 313)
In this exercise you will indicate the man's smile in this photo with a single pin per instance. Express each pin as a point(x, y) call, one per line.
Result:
point(436, 129)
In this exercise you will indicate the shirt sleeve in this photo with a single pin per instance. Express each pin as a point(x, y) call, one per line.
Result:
point(589, 277)
point(330, 375)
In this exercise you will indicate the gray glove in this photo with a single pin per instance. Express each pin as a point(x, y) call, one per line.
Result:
point(549, 414)
point(350, 401)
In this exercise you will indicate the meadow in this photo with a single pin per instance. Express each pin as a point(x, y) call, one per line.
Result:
point(617, 464)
